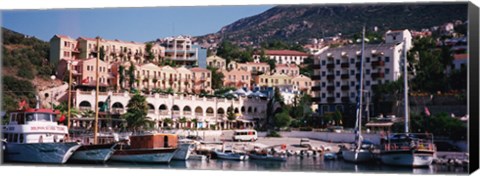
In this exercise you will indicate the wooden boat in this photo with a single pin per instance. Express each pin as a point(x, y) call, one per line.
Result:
point(94, 152)
point(152, 148)
point(33, 135)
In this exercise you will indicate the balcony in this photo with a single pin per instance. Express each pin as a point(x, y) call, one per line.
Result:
point(345, 65)
point(330, 88)
point(330, 99)
point(378, 75)
point(330, 66)
point(345, 87)
point(316, 77)
point(378, 64)
point(357, 64)
point(330, 77)
point(345, 99)
point(345, 76)
point(316, 88)
point(316, 66)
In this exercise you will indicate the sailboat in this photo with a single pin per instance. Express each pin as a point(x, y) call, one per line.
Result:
point(408, 149)
point(359, 152)
point(95, 152)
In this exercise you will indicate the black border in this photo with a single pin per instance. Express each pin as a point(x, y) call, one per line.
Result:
point(473, 76)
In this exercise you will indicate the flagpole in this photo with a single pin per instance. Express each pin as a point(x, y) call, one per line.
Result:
point(69, 94)
point(95, 139)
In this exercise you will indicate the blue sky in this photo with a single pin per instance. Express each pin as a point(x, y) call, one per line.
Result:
point(129, 24)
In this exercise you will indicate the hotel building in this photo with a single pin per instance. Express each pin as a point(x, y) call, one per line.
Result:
point(337, 74)
point(283, 56)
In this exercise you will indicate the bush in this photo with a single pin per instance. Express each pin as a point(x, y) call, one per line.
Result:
point(273, 134)
point(305, 129)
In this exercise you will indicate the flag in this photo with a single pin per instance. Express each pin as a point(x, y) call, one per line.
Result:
point(105, 105)
point(85, 81)
point(22, 104)
point(427, 112)
point(62, 118)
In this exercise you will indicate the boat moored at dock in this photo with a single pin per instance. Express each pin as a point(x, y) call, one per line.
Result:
point(151, 148)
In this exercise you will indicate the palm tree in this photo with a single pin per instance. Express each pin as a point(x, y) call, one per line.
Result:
point(88, 113)
point(136, 115)
point(194, 121)
point(168, 121)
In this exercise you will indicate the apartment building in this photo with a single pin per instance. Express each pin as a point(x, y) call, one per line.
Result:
point(288, 69)
point(202, 80)
point(273, 80)
point(254, 68)
point(83, 73)
point(283, 56)
point(237, 78)
point(217, 62)
point(64, 47)
point(337, 74)
point(180, 50)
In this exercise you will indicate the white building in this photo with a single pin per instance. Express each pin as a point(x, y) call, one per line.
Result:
point(207, 111)
point(283, 56)
point(336, 70)
point(180, 50)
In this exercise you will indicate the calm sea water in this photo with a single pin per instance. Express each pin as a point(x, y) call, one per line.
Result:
point(306, 164)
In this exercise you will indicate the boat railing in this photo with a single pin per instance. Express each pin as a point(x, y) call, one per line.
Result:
point(419, 145)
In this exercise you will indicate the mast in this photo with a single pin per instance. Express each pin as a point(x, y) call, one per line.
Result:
point(405, 83)
point(360, 94)
point(69, 93)
point(95, 139)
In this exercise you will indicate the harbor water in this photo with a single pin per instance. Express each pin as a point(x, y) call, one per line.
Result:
point(298, 164)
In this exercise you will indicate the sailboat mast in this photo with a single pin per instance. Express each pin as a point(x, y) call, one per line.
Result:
point(69, 93)
point(360, 91)
point(405, 83)
point(95, 139)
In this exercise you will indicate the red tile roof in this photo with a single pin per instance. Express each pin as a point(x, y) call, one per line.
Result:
point(285, 53)
point(198, 69)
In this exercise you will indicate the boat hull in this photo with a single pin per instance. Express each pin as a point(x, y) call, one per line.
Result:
point(183, 152)
point(408, 158)
point(144, 155)
point(267, 157)
point(197, 157)
point(93, 153)
point(54, 153)
point(357, 156)
point(231, 156)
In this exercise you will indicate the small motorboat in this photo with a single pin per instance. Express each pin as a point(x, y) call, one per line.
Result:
point(330, 156)
point(229, 154)
point(197, 157)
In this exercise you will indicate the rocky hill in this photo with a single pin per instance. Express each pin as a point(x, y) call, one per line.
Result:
point(300, 22)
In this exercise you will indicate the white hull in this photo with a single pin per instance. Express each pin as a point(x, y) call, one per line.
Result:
point(143, 156)
point(57, 153)
point(183, 152)
point(93, 155)
point(412, 159)
point(231, 156)
point(357, 156)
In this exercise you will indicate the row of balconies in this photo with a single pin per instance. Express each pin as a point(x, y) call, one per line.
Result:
point(331, 99)
point(374, 64)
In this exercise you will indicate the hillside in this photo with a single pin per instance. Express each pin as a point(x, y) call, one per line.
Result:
point(25, 68)
point(300, 22)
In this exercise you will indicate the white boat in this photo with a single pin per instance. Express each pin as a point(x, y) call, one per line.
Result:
point(267, 157)
point(357, 153)
point(33, 135)
point(197, 157)
point(152, 148)
point(229, 154)
point(94, 153)
point(408, 149)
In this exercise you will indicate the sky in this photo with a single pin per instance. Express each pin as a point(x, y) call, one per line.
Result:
point(128, 24)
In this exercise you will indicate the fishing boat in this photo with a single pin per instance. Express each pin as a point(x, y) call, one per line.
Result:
point(227, 153)
point(150, 148)
point(95, 152)
point(357, 153)
point(408, 149)
point(33, 135)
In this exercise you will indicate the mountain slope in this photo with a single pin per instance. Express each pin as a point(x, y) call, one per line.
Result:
point(300, 22)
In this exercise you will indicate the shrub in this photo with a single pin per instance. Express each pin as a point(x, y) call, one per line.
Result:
point(273, 134)
point(305, 129)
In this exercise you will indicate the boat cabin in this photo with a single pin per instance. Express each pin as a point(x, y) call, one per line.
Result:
point(153, 141)
point(34, 126)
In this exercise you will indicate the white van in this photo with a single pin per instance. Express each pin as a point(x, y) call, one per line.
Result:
point(244, 135)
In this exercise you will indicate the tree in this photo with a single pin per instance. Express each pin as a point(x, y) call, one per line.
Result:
point(230, 113)
point(87, 113)
point(148, 51)
point(217, 78)
point(121, 70)
point(131, 75)
point(136, 115)
point(102, 53)
point(168, 121)
point(282, 119)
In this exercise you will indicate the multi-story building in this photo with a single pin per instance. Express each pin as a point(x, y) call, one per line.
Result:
point(288, 69)
point(202, 79)
point(237, 78)
point(83, 73)
point(302, 83)
point(283, 56)
point(217, 62)
point(273, 80)
point(254, 68)
point(64, 47)
point(337, 74)
point(180, 50)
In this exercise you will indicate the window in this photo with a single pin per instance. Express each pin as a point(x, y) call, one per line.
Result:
point(323, 62)
point(352, 94)
point(43, 117)
point(368, 71)
point(387, 71)
point(338, 83)
point(368, 83)
point(323, 95)
point(338, 95)
point(323, 84)
point(368, 59)
point(338, 73)
point(352, 61)
point(323, 73)
point(352, 83)
point(338, 62)
point(387, 59)
point(352, 72)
